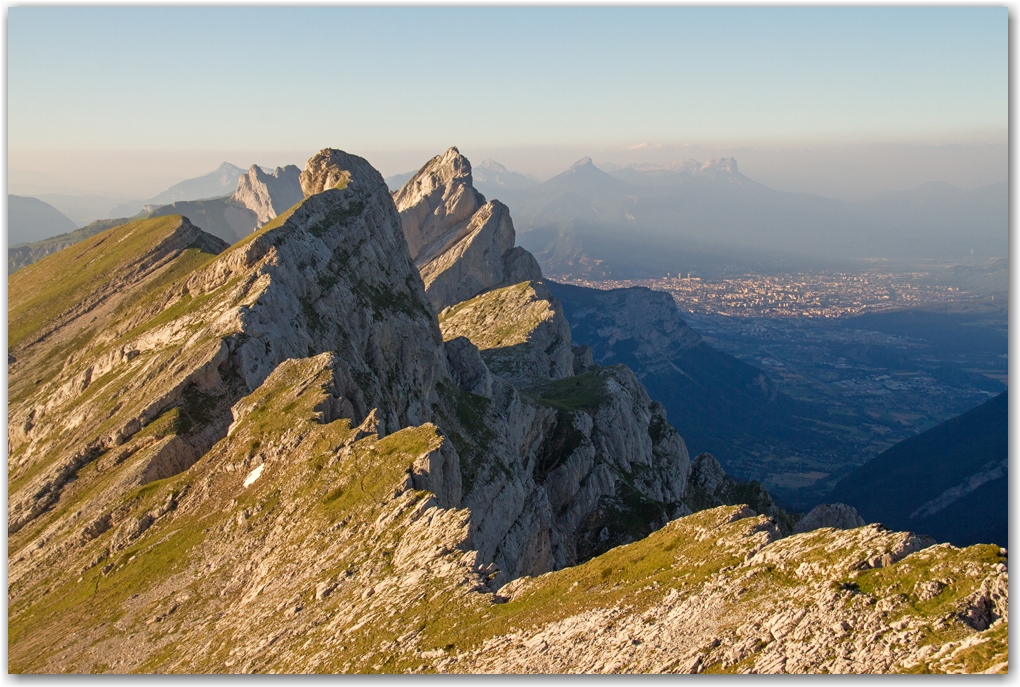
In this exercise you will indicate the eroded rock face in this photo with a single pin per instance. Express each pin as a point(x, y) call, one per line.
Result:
point(837, 515)
point(647, 321)
point(462, 245)
point(710, 486)
point(627, 474)
point(268, 195)
point(437, 202)
point(336, 276)
point(467, 368)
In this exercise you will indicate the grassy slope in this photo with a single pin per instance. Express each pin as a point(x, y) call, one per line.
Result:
point(213, 586)
point(497, 319)
point(28, 253)
point(42, 291)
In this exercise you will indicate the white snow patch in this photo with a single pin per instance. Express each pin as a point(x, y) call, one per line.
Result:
point(254, 475)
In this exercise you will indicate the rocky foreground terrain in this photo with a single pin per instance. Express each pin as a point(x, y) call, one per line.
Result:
point(360, 439)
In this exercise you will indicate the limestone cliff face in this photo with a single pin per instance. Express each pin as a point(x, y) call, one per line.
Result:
point(556, 476)
point(267, 458)
point(268, 195)
point(437, 202)
point(646, 322)
point(462, 245)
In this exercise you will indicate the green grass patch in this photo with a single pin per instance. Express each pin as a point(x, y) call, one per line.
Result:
point(581, 392)
point(635, 575)
point(497, 319)
point(43, 291)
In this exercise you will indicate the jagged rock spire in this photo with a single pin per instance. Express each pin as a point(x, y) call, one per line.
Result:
point(462, 244)
point(438, 200)
point(268, 195)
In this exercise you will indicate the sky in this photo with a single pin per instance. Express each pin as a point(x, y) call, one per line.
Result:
point(132, 99)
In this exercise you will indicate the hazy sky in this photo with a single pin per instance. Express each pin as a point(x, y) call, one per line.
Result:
point(116, 87)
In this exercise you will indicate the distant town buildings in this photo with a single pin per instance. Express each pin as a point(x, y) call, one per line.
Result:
point(837, 294)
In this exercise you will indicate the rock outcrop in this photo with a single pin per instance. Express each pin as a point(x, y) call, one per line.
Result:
point(837, 515)
point(462, 245)
point(520, 331)
point(710, 487)
point(266, 458)
point(268, 195)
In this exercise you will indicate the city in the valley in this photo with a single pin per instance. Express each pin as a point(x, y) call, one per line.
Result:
point(802, 294)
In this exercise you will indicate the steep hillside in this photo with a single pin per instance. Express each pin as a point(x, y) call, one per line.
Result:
point(492, 178)
point(950, 482)
point(273, 456)
point(719, 404)
point(30, 220)
point(26, 254)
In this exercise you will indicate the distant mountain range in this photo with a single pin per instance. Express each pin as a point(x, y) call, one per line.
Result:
point(30, 219)
point(86, 208)
point(646, 220)
point(222, 181)
point(395, 182)
point(950, 482)
point(26, 253)
point(491, 178)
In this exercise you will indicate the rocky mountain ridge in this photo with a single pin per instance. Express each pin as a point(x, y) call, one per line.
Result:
point(268, 195)
point(275, 456)
point(462, 244)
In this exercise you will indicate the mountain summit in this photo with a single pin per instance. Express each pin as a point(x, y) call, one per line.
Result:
point(221, 181)
point(267, 195)
point(492, 177)
point(462, 244)
point(274, 456)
